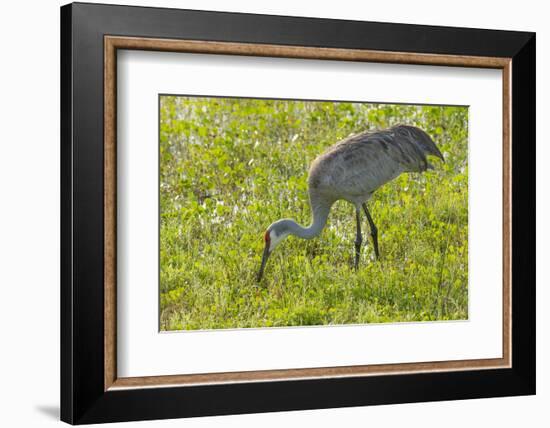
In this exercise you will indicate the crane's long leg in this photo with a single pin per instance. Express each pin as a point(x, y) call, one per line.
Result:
point(373, 231)
point(358, 237)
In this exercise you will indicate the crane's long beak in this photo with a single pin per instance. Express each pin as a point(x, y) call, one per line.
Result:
point(264, 261)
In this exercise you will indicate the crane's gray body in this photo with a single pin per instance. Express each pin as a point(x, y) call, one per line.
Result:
point(355, 167)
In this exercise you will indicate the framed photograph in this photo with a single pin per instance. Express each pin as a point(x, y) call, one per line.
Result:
point(265, 213)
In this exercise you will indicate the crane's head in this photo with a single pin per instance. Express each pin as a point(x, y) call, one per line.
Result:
point(273, 236)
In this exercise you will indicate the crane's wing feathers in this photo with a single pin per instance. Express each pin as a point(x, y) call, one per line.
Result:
point(409, 146)
point(358, 165)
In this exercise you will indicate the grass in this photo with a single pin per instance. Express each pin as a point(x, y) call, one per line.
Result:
point(231, 167)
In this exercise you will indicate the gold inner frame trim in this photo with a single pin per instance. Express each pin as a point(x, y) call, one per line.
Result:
point(113, 43)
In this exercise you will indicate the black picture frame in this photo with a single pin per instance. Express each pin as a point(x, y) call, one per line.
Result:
point(83, 398)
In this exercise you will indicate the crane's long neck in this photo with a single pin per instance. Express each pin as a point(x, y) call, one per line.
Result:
point(320, 212)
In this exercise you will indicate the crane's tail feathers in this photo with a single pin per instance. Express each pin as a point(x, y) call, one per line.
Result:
point(416, 144)
point(438, 153)
point(425, 142)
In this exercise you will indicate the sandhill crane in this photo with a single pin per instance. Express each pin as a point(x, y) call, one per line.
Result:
point(352, 170)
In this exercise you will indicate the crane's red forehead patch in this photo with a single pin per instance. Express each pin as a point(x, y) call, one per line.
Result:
point(266, 236)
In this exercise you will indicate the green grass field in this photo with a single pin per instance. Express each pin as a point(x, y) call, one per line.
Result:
point(231, 167)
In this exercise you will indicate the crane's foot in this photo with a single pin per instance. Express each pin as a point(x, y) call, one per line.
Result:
point(374, 235)
point(357, 253)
